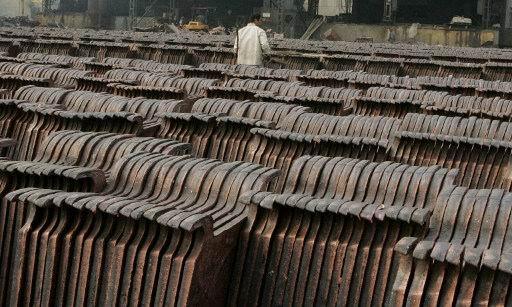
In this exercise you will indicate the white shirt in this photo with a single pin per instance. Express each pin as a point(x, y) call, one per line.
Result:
point(251, 44)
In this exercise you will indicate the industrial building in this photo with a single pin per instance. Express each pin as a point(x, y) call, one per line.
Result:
point(293, 17)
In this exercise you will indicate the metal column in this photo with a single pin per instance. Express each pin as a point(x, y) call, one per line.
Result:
point(131, 12)
point(390, 7)
point(22, 8)
point(507, 15)
point(172, 9)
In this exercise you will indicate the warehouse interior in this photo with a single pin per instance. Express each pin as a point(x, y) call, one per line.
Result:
point(289, 18)
point(483, 13)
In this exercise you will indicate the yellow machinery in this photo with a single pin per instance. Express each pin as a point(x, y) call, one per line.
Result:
point(196, 26)
point(201, 17)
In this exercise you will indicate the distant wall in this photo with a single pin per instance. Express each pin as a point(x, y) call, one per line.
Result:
point(81, 20)
point(10, 8)
point(123, 22)
point(71, 20)
point(433, 35)
point(506, 38)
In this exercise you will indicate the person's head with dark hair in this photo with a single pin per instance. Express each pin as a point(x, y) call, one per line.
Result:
point(256, 19)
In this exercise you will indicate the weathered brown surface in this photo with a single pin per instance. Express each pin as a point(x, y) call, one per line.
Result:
point(147, 169)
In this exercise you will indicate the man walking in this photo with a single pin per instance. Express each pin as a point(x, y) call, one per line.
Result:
point(251, 43)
